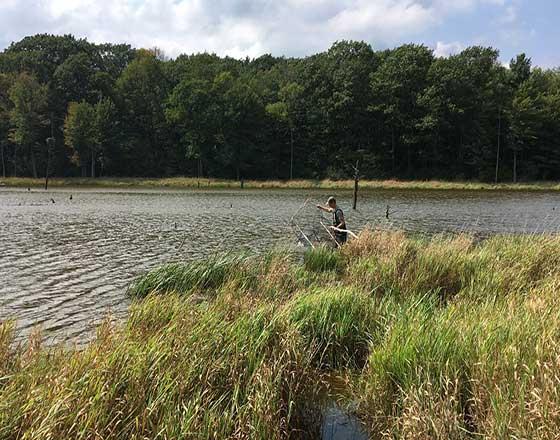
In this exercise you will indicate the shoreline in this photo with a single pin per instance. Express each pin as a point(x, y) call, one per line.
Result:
point(326, 184)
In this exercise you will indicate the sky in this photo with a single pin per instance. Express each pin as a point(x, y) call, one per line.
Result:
point(241, 28)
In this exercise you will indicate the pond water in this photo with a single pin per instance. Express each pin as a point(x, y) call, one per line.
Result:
point(67, 255)
point(338, 424)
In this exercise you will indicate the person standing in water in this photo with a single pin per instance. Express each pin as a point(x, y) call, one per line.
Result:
point(338, 219)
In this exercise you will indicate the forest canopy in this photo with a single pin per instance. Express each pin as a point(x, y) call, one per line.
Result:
point(84, 109)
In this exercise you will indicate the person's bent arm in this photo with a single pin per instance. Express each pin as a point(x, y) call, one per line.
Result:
point(325, 208)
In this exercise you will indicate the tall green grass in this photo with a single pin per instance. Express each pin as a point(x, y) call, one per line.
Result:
point(439, 338)
point(187, 278)
point(337, 325)
point(322, 259)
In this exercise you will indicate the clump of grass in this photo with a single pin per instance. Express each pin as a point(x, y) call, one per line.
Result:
point(376, 243)
point(195, 376)
point(470, 367)
point(249, 360)
point(391, 262)
point(337, 325)
point(187, 278)
point(7, 351)
point(430, 411)
point(322, 259)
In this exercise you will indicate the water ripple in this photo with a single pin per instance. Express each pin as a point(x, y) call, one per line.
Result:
point(65, 266)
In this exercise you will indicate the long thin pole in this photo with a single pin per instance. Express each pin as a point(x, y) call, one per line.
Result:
point(304, 236)
point(298, 211)
point(329, 232)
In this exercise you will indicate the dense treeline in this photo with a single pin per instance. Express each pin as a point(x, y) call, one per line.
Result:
point(78, 108)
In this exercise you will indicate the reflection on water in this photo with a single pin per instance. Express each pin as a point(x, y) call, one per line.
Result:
point(65, 265)
point(340, 425)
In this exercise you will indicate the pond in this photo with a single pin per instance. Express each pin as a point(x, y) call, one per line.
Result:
point(67, 255)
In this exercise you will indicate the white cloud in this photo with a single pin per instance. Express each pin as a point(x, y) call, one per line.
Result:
point(232, 27)
point(388, 17)
point(444, 50)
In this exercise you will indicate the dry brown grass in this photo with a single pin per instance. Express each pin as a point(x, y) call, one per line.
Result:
point(428, 413)
point(204, 183)
point(439, 338)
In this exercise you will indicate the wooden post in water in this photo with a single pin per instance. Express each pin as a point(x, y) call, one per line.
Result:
point(356, 181)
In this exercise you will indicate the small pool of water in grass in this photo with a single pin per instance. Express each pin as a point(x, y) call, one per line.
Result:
point(339, 424)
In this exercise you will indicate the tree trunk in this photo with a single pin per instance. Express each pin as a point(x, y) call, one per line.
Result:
point(459, 155)
point(15, 160)
point(499, 140)
point(93, 163)
point(408, 161)
point(356, 181)
point(84, 170)
point(435, 154)
point(3, 162)
point(393, 161)
point(291, 153)
point(515, 166)
point(33, 163)
point(47, 168)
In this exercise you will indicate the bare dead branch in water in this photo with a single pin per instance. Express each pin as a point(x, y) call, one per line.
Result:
point(344, 231)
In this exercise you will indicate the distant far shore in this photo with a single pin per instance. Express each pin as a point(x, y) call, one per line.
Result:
point(193, 182)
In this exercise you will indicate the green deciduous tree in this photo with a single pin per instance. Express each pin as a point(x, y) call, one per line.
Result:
point(286, 112)
point(190, 109)
point(5, 109)
point(401, 112)
point(28, 116)
point(86, 132)
point(396, 88)
point(79, 134)
point(143, 90)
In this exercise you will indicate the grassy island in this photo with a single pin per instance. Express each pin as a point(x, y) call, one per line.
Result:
point(326, 184)
point(439, 338)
